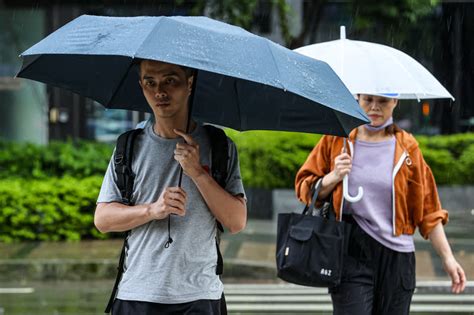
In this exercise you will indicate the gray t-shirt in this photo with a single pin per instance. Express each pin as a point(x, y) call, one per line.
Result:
point(186, 271)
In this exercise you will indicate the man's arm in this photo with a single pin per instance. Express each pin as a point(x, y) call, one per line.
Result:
point(229, 210)
point(117, 217)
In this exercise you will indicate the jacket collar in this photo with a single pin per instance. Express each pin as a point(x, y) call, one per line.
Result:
point(353, 134)
point(405, 142)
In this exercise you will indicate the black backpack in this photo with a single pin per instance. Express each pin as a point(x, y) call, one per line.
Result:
point(125, 180)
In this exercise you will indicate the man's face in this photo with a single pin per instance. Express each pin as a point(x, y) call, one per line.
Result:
point(165, 88)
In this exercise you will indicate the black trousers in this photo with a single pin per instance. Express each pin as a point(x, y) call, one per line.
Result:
point(207, 307)
point(375, 279)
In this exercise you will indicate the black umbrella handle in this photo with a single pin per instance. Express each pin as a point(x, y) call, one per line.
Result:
point(190, 110)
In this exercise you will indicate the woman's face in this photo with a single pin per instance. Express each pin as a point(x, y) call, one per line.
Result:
point(378, 108)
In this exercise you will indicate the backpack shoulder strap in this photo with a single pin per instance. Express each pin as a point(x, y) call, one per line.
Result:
point(125, 178)
point(219, 154)
point(219, 166)
point(123, 163)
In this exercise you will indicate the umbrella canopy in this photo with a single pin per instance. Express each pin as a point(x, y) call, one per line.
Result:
point(245, 82)
point(369, 68)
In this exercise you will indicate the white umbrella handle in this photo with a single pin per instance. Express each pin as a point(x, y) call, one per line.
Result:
point(345, 189)
point(345, 183)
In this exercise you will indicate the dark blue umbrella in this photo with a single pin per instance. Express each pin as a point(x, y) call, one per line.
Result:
point(245, 82)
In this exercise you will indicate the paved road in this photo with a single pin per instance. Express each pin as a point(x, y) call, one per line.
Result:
point(292, 299)
point(81, 298)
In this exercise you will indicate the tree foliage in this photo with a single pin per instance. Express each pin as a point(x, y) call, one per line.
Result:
point(364, 14)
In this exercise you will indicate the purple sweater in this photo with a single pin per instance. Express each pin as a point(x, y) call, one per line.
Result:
point(372, 168)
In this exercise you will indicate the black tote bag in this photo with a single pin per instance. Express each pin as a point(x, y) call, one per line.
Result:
point(310, 245)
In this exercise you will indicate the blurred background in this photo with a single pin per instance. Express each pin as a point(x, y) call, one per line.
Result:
point(55, 147)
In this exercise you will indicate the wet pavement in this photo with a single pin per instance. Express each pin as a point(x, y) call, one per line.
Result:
point(76, 278)
point(247, 255)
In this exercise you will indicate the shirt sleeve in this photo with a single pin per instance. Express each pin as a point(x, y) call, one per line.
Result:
point(432, 211)
point(109, 191)
point(316, 166)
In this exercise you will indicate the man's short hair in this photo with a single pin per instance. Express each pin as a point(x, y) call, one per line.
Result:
point(188, 71)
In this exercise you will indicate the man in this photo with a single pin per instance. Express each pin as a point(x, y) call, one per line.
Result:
point(180, 279)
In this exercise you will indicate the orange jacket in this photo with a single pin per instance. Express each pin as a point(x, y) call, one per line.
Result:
point(414, 193)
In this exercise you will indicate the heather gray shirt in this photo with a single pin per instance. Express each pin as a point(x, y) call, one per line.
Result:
point(186, 271)
point(372, 168)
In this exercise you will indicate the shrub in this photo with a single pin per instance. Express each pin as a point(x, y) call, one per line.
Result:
point(466, 164)
point(79, 159)
point(271, 159)
point(445, 168)
point(48, 209)
point(49, 192)
point(455, 144)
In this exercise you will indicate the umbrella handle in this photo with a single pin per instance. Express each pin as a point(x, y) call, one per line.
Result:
point(345, 189)
point(345, 184)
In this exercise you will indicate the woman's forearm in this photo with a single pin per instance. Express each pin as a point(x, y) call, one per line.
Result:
point(440, 242)
point(327, 185)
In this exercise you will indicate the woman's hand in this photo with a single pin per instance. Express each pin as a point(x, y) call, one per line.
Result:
point(343, 166)
point(451, 266)
point(456, 273)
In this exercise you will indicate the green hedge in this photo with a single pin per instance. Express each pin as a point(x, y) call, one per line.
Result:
point(49, 192)
point(451, 158)
point(77, 159)
point(268, 159)
point(48, 209)
point(271, 159)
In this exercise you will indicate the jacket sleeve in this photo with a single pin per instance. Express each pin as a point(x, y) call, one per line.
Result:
point(432, 211)
point(316, 166)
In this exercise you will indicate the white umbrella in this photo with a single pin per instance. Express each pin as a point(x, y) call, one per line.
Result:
point(369, 68)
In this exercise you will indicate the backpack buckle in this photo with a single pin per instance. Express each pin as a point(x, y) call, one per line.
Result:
point(118, 159)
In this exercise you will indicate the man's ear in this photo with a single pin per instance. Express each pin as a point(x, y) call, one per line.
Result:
point(190, 83)
point(140, 82)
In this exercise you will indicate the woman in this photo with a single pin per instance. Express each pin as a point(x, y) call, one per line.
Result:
point(399, 196)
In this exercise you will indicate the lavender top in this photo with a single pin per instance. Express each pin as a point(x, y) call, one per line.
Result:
point(372, 168)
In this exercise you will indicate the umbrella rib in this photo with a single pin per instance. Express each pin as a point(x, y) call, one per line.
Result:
point(409, 73)
point(341, 124)
point(27, 66)
point(275, 62)
point(157, 25)
point(133, 58)
point(120, 83)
